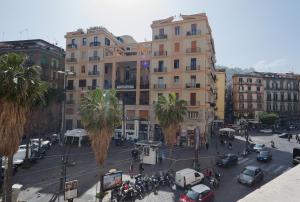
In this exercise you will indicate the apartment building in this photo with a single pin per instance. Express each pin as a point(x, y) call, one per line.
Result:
point(221, 94)
point(248, 95)
point(274, 92)
point(180, 58)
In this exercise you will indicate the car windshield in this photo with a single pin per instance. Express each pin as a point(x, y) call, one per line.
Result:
point(264, 153)
point(259, 145)
point(192, 195)
point(248, 172)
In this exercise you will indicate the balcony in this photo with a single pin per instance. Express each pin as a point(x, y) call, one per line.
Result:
point(71, 46)
point(94, 59)
point(160, 53)
point(70, 88)
point(193, 68)
point(95, 44)
point(94, 73)
point(71, 60)
point(144, 85)
point(192, 85)
point(193, 103)
point(160, 69)
point(92, 87)
point(160, 36)
point(130, 53)
point(107, 86)
point(193, 50)
point(160, 86)
point(70, 102)
point(193, 32)
point(72, 74)
point(125, 85)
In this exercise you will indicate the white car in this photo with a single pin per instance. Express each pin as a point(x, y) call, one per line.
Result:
point(266, 131)
point(258, 147)
point(187, 177)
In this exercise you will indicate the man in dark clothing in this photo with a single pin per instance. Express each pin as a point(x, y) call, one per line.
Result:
point(207, 146)
point(141, 169)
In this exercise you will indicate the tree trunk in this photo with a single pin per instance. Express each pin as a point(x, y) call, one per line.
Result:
point(26, 163)
point(8, 179)
point(101, 193)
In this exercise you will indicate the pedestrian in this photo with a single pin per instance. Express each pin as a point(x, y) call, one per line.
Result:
point(289, 137)
point(207, 145)
point(141, 169)
point(230, 145)
point(131, 170)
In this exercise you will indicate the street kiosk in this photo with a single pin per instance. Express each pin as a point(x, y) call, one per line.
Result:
point(148, 151)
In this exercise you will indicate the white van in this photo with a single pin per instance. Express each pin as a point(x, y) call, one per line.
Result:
point(188, 176)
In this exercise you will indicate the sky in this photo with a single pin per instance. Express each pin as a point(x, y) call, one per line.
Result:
point(264, 34)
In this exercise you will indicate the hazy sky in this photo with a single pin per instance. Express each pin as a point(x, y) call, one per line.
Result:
point(264, 34)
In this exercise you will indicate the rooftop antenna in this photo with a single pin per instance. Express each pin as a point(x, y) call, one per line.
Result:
point(21, 32)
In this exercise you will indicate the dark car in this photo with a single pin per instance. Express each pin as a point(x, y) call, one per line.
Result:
point(285, 135)
point(227, 160)
point(264, 155)
point(250, 175)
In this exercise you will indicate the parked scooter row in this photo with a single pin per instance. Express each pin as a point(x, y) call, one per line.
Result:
point(142, 186)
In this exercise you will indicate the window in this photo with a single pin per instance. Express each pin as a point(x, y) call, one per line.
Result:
point(70, 84)
point(84, 41)
point(95, 68)
point(160, 80)
point(269, 97)
point(94, 82)
point(193, 62)
point(177, 30)
point(176, 47)
point(193, 99)
point(258, 81)
point(176, 79)
point(159, 94)
point(177, 96)
point(95, 39)
point(69, 124)
point(249, 80)
point(79, 125)
point(73, 41)
point(95, 53)
point(72, 68)
point(249, 88)
point(106, 69)
point(281, 96)
point(107, 42)
point(83, 69)
point(193, 79)
point(82, 83)
point(193, 28)
point(69, 111)
point(161, 31)
point(161, 64)
point(176, 64)
point(257, 88)
point(72, 55)
point(240, 80)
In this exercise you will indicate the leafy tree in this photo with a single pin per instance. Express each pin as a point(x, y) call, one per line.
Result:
point(20, 88)
point(170, 113)
point(268, 118)
point(101, 115)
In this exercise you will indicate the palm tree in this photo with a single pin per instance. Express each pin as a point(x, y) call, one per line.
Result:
point(100, 114)
point(20, 87)
point(170, 113)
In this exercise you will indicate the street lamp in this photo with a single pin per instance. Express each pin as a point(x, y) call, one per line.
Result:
point(61, 137)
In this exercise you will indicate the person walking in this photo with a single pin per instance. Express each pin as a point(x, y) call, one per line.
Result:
point(207, 145)
point(141, 169)
point(131, 170)
point(229, 145)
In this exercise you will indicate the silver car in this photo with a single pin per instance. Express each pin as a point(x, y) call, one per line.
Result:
point(251, 175)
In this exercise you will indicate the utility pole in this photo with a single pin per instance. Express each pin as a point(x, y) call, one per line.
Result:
point(123, 114)
point(197, 136)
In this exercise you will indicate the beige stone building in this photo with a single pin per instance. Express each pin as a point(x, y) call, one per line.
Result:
point(180, 58)
point(221, 94)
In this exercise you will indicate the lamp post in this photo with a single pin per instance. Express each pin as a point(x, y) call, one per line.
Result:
point(63, 128)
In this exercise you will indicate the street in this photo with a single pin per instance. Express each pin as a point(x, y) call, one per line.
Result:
point(41, 181)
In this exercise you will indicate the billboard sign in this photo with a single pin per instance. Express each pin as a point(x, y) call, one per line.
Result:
point(111, 180)
point(71, 189)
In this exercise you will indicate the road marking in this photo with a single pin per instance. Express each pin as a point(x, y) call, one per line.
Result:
point(278, 169)
point(270, 167)
point(243, 160)
point(249, 162)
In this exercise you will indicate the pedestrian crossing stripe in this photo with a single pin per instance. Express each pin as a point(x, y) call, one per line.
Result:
point(269, 167)
point(281, 167)
point(243, 160)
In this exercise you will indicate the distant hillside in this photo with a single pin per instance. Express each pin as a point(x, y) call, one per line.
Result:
point(234, 70)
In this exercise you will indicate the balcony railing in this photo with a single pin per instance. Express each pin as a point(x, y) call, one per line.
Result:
point(71, 60)
point(130, 53)
point(70, 46)
point(160, 53)
point(160, 69)
point(161, 36)
point(193, 32)
point(94, 73)
point(192, 85)
point(144, 86)
point(193, 103)
point(95, 43)
point(94, 59)
point(125, 85)
point(70, 88)
point(193, 50)
point(92, 87)
point(193, 68)
point(160, 86)
point(70, 102)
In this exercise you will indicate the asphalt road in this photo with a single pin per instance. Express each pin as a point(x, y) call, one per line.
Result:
point(41, 181)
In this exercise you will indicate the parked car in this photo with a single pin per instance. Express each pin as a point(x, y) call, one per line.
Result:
point(250, 175)
point(266, 131)
point(227, 160)
point(264, 155)
point(44, 143)
point(188, 176)
point(285, 135)
point(296, 156)
point(258, 147)
point(197, 193)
